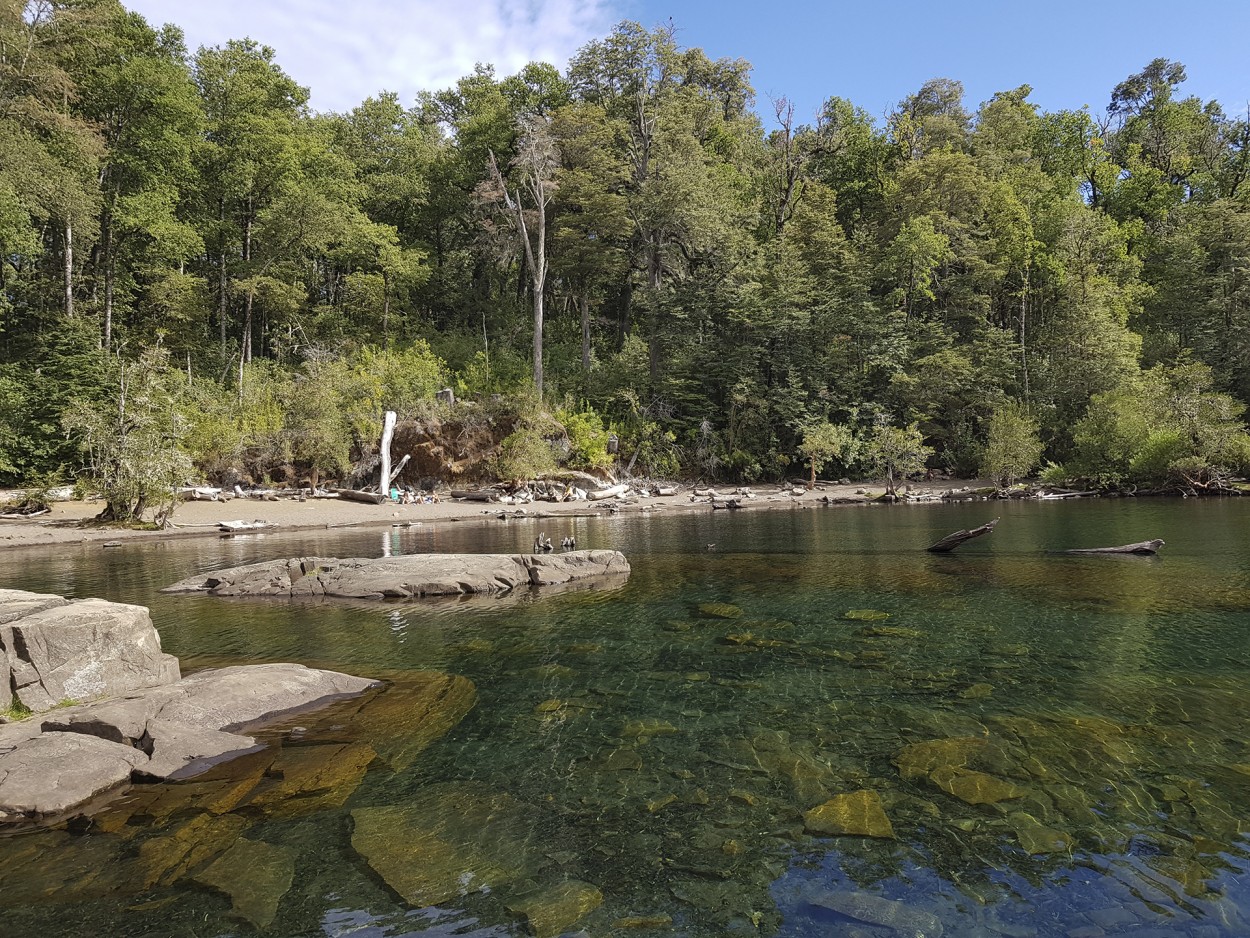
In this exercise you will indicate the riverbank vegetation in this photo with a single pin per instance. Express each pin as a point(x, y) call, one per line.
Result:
point(200, 276)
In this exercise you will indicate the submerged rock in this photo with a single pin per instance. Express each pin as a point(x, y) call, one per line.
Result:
point(255, 876)
point(302, 779)
point(447, 840)
point(858, 813)
point(920, 759)
point(1035, 838)
point(408, 577)
point(899, 917)
point(551, 912)
point(168, 858)
point(975, 787)
point(720, 610)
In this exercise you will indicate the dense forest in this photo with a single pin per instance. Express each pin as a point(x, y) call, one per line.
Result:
point(200, 276)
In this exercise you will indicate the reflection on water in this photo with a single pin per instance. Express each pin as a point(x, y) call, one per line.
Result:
point(1000, 741)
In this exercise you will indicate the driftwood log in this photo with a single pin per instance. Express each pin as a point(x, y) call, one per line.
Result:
point(358, 495)
point(476, 495)
point(951, 541)
point(1141, 547)
point(612, 491)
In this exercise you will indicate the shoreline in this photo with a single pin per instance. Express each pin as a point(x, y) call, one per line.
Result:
point(69, 522)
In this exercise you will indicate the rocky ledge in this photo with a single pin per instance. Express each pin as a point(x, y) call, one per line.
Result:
point(408, 577)
point(140, 721)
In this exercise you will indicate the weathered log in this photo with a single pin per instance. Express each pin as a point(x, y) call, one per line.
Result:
point(398, 469)
point(477, 495)
point(357, 495)
point(731, 503)
point(610, 492)
point(1141, 547)
point(230, 527)
point(199, 493)
point(951, 541)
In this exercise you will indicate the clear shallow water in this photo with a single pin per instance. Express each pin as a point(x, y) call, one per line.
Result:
point(666, 755)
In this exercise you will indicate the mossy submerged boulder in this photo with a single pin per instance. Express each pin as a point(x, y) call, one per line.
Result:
point(975, 787)
point(255, 876)
point(553, 911)
point(717, 610)
point(919, 759)
point(866, 615)
point(858, 813)
point(447, 840)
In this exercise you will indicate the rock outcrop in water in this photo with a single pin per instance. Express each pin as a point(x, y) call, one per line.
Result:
point(54, 649)
point(141, 722)
point(408, 577)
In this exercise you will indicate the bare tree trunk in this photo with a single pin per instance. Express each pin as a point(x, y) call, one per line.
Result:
point(1024, 361)
point(69, 270)
point(538, 340)
point(386, 307)
point(251, 293)
point(109, 275)
point(654, 352)
point(221, 278)
point(585, 311)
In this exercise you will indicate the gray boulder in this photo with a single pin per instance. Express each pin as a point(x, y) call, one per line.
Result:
point(138, 721)
point(55, 649)
point(407, 577)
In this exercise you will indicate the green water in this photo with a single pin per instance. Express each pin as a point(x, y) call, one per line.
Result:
point(666, 755)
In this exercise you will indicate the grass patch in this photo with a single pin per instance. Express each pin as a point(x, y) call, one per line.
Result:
point(15, 712)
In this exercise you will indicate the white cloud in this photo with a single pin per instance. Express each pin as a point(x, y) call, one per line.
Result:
point(344, 52)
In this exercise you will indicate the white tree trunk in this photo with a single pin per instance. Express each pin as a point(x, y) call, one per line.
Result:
point(388, 431)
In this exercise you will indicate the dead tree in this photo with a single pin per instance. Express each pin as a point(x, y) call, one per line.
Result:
point(1141, 547)
point(951, 541)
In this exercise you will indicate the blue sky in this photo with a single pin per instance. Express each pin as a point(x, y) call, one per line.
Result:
point(1072, 53)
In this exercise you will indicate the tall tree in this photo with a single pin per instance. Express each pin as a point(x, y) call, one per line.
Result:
point(533, 170)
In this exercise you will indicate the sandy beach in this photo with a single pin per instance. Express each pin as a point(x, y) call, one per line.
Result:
point(70, 522)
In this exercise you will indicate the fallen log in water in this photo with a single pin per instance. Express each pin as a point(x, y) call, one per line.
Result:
point(1141, 547)
point(951, 541)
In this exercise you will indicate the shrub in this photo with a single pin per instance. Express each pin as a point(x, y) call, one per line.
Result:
point(588, 440)
point(131, 442)
point(1014, 447)
point(524, 454)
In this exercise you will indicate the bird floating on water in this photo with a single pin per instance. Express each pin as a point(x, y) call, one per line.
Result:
point(568, 543)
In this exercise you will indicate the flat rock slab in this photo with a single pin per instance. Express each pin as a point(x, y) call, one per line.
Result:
point(43, 775)
point(408, 577)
